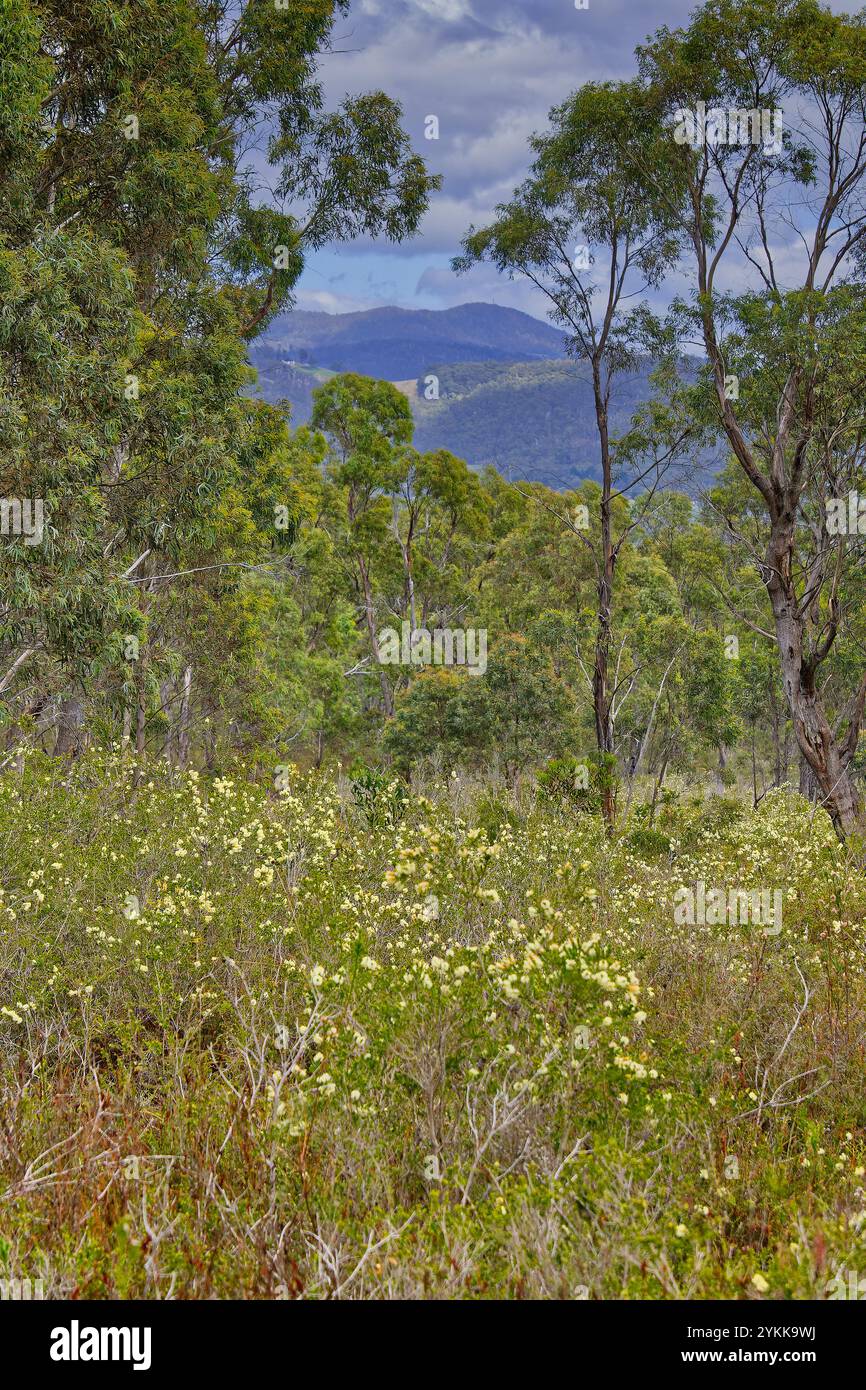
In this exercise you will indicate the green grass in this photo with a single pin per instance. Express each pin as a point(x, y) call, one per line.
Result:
point(282, 1043)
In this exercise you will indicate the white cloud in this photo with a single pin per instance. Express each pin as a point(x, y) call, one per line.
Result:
point(446, 11)
point(481, 284)
point(326, 302)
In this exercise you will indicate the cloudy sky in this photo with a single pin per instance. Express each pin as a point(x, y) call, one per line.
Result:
point(489, 70)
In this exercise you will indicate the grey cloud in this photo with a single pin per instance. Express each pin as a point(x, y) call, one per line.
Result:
point(490, 70)
point(481, 284)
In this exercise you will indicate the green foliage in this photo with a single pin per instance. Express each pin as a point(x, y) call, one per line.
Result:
point(135, 266)
point(494, 812)
point(648, 843)
point(393, 1026)
point(517, 707)
point(381, 798)
point(566, 780)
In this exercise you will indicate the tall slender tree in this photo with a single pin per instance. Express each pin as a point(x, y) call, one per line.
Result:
point(590, 230)
point(764, 101)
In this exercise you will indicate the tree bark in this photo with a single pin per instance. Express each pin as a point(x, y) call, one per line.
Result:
point(657, 788)
point(370, 617)
point(777, 737)
point(782, 488)
point(15, 667)
point(70, 727)
point(808, 781)
point(140, 711)
point(183, 722)
point(166, 700)
point(826, 756)
point(601, 700)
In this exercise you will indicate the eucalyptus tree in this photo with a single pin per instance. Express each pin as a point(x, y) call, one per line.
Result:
point(591, 230)
point(765, 105)
point(369, 427)
point(439, 505)
point(138, 257)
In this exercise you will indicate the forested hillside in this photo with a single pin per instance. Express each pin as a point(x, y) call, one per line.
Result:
point(396, 344)
point(530, 419)
point(535, 421)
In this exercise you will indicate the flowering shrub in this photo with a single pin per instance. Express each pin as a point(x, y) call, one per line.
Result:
point(259, 1042)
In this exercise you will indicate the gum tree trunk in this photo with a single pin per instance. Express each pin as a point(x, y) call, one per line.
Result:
point(601, 695)
point(70, 727)
point(827, 755)
point(183, 723)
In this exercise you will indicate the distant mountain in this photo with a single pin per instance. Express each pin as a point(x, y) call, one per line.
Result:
point(531, 420)
point(281, 381)
point(508, 395)
point(398, 344)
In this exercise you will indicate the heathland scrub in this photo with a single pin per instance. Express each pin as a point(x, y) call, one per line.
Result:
point(454, 1046)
